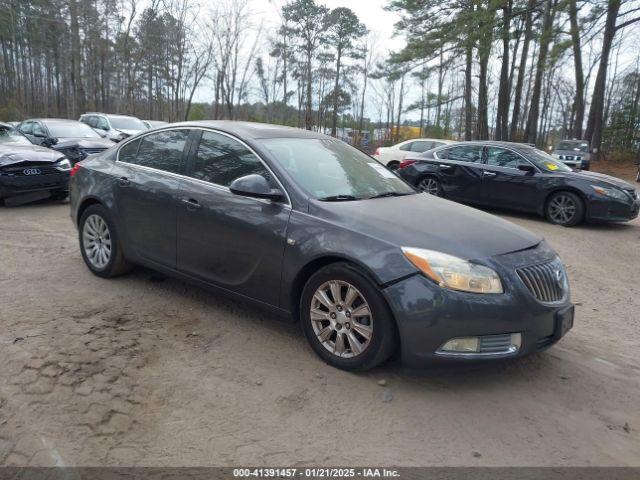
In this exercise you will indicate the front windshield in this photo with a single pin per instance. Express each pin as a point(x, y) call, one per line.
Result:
point(71, 130)
point(127, 123)
point(332, 170)
point(546, 162)
point(575, 146)
point(10, 135)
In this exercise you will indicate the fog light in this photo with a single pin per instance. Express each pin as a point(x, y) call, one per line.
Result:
point(462, 345)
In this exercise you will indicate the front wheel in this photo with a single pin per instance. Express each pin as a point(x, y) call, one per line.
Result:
point(99, 243)
point(346, 320)
point(430, 185)
point(565, 208)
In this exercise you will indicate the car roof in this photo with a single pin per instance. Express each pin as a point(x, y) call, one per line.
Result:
point(496, 143)
point(253, 129)
point(50, 120)
point(3, 124)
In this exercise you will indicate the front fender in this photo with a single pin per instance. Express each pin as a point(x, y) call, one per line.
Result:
point(310, 238)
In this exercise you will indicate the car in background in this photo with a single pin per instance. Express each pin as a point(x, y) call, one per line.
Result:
point(74, 139)
point(392, 156)
point(519, 177)
point(113, 127)
point(574, 153)
point(27, 168)
point(154, 123)
point(312, 228)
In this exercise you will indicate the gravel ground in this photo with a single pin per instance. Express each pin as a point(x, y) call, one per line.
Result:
point(143, 370)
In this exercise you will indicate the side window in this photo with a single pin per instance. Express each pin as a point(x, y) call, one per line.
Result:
point(162, 150)
point(501, 157)
point(437, 144)
point(102, 123)
point(92, 121)
point(464, 153)
point(27, 127)
point(421, 146)
point(37, 129)
point(129, 152)
point(407, 146)
point(221, 160)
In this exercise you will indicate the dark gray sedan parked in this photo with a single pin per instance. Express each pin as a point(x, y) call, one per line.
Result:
point(316, 230)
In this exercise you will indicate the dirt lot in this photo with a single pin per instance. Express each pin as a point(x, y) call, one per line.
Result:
point(143, 370)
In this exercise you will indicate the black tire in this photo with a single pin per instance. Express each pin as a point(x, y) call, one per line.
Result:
point(117, 264)
point(573, 213)
point(393, 165)
point(430, 184)
point(384, 338)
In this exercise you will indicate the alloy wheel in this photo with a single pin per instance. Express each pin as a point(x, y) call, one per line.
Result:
point(341, 319)
point(562, 209)
point(429, 185)
point(96, 240)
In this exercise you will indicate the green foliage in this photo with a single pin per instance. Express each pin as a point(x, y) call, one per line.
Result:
point(198, 112)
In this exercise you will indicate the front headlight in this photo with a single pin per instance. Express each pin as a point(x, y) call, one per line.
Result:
point(610, 192)
point(453, 272)
point(64, 164)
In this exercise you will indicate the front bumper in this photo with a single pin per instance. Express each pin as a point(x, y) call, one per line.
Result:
point(428, 316)
point(16, 185)
point(610, 210)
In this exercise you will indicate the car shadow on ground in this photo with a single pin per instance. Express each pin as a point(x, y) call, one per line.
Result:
point(459, 377)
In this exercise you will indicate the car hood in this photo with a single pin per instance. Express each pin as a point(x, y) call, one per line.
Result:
point(84, 142)
point(10, 155)
point(599, 179)
point(425, 221)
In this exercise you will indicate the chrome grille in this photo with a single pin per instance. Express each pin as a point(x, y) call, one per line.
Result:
point(20, 171)
point(546, 281)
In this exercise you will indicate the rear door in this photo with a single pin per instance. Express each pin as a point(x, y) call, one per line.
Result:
point(148, 174)
point(504, 185)
point(460, 171)
point(232, 241)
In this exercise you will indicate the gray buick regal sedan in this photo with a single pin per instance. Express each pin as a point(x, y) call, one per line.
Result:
point(312, 228)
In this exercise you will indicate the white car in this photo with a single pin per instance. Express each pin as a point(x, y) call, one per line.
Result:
point(392, 156)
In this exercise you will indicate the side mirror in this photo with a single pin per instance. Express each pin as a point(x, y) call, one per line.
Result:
point(255, 186)
point(525, 167)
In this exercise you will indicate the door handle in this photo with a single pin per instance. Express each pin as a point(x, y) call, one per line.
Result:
point(192, 204)
point(442, 165)
point(488, 174)
point(124, 182)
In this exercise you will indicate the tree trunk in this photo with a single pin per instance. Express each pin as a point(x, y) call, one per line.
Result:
point(593, 133)
point(578, 102)
point(515, 116)
point(531, 131)
point(334, 120)
point(502, 115)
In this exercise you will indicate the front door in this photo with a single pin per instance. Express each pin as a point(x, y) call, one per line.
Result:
point(504, 185)
point(232, 241)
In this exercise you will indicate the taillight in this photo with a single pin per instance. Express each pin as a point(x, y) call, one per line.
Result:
point(406, 163)
point(74, 170)
point(377, 151)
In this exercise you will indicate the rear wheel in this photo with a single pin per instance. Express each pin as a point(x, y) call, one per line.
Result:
point(393, 165)
point(99, 243)
point(565, 208)
point(430, 185)
point(346, 320)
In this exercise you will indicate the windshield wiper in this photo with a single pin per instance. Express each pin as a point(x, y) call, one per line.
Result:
point(390, 194)
point(338, 198)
